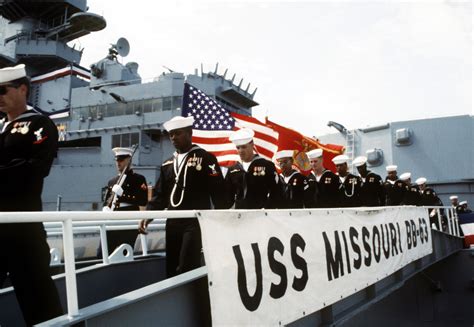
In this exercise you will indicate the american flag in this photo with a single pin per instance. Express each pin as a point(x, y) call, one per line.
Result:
point(213, 125)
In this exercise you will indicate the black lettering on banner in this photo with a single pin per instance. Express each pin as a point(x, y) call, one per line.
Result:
point(365, 237)
point(354, 235)
point(376, 247)
point(277, 290)
point(422, 237)
point(348, 263)
point(393, 239)
point(427, 235)
point(251, 302)
point(334, 263)
point(386, 251)
point(407, 226)
point(299, 262)
point(399, 238)
point(413, 232)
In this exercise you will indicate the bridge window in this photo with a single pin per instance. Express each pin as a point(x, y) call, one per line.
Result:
point(125, 140)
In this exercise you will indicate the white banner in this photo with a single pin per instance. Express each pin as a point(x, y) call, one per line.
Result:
point(274, 267)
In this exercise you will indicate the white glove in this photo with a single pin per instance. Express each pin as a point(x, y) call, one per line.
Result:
point(117, 189)
point(106, 209)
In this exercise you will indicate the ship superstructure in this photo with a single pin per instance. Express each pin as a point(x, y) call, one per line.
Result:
point(439, 149)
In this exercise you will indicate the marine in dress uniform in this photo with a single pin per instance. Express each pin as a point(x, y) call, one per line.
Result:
point(349, 189)
point(395, 189)
point(372, 193)
point(412, 195)
point(132, 196)
point(323, 183)
point(293, 183)
point(191, 179)
point(28, 146)
point(251, 183)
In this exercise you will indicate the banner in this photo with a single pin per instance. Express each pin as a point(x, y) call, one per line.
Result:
point(274, 267)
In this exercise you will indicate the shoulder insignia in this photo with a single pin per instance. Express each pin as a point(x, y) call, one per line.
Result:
point(213, 170)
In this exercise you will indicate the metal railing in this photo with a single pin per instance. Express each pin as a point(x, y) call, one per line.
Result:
point(98, 217)
point(101, 227)
point(103, 220)
point(451, 224)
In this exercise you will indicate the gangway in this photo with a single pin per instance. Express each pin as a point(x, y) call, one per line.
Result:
point(184, 300)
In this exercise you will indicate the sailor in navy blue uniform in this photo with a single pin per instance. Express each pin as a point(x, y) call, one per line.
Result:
point(28, 146)
point(372, 193)
point(293, 183)
point(395, 189)
point(428, 198)
point(323, 184)
point(191, 179)
point(454, 199)
point(412, 195)
point(132, 196)
point(251, 183)
point(428, 195)
point(349, 189)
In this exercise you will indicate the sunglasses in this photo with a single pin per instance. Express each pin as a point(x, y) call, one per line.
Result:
point(4, 88)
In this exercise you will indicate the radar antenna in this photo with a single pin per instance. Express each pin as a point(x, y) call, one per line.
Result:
point(120, 48)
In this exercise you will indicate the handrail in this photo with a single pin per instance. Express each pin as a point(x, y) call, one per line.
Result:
point(67, 217)
point(70, 218)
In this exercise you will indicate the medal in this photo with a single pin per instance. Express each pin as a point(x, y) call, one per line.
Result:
point(24, 130)
point(198, 164)
point(255, 173)
point(14, 130)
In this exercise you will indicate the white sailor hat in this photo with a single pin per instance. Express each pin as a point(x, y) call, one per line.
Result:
point(391, 168)
point(420, 181)
point(242, 136)
point(359, 161)
point(284, 154)
point(340, 159)
point(9, 74)
point(462, 203)
point(405, 176)
point(453, 197)
point(316, 153)
point(119, 152)
point(178, 122)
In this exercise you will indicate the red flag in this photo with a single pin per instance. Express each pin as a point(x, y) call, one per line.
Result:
point(289, 139)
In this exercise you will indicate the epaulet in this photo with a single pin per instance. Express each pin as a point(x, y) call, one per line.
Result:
point(166, 163)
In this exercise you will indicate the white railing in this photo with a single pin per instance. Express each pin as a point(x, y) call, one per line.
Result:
point(68, 219)
point(452, 220)
point(101, 227)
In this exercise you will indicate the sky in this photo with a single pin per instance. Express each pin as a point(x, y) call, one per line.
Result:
point(358, 63)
